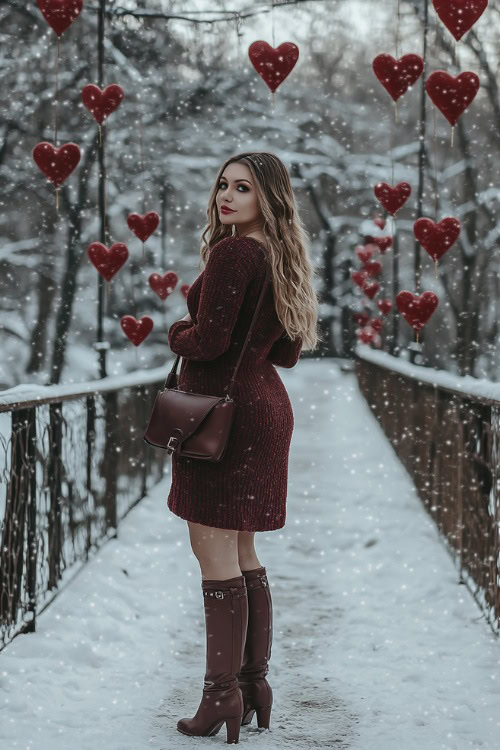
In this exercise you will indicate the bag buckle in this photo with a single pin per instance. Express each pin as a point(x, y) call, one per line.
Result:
point(171, 448)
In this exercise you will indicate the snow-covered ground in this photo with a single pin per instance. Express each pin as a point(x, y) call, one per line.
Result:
point(375, 645)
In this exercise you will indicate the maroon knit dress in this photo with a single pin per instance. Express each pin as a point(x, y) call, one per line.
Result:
point(247, 489)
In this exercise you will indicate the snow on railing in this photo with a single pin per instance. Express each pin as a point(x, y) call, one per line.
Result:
point(75, 463)
point(446, 431)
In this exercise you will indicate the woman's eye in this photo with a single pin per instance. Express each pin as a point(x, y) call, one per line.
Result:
point(243, 186)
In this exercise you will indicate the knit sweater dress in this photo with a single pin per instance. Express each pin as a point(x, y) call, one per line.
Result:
point(247, 489)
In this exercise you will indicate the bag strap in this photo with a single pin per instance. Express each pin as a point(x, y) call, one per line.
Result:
point(173, 371)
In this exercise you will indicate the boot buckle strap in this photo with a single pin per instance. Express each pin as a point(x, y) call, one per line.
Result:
point(257, 583)
point(217, 594)
point(222, 594)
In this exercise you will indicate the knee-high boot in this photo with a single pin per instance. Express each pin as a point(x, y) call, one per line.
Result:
point(226, 620)
point(257, 692)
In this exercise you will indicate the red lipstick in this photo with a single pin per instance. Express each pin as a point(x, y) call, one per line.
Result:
point(227, 210)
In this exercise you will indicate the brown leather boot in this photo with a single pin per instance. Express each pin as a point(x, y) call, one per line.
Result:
point(257, 692)
point(226, 620)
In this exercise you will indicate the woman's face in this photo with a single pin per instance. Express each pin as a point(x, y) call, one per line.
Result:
point(236, 190)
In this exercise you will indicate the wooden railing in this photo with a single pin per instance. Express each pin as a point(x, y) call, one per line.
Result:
point(74, 464)
point(446, 431)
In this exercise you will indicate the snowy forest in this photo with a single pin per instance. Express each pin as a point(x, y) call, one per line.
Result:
point(385, 579)
point(192, 99)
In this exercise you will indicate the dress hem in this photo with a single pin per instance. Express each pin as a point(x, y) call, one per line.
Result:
point(229, 528)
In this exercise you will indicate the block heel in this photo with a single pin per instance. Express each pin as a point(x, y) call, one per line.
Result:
point(263, 717)
point(233, 730)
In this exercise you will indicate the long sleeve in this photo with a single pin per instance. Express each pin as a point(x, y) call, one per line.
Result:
point(229, 270)
point(285, 352)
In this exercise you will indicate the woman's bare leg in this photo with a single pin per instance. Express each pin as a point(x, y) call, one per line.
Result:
point(216, 550)
point(247, 557)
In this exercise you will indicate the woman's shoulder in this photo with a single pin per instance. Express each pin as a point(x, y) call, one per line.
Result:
point(238, 250)
point(236, 241)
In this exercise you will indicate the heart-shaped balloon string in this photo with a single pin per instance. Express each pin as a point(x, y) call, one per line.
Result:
point(416, 310)
point(371, 289)
point(452, 95)
point(136, 330)
point(56, 163)
point(437, 239)
point(372, 267)
point(381, 242)
point(365, 253)
point(385, 306)
point(380, 222)
point(396, 76)
point(459, 15)
point(185, 289)
point(392, 198)
point(163, 285)
point(143, 226)
point(108, 262)
point(60, 14)
point(273, 64)
point(101, 103)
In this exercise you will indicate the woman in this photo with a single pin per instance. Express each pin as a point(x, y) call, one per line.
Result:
point(252, 220)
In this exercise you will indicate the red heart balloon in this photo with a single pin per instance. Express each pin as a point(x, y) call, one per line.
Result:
point(60, 14)
point(381, 242)
point(367, 334)
point(107, 262)
point(376, 324)
point(136, 330)
point(371, 289)
point(397, 75)
point(143, 226)
point(392, 198)
point(373, 267)
point(102, 103)
point(163, 285)
point(459, 15)
point(273, 65)
point(452, 95)
point(416, 310)
point(385, 306)
point(56, 163)
point(361, 318)
point(185, 289)
point(364, 253)
point(360, 278)
point(380, 222)
point(437, 238)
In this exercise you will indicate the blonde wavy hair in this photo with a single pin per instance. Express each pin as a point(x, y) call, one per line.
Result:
point(288, 244)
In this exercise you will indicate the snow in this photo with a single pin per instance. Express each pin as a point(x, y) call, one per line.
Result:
point(464, 384)
point(375, 645)
point(27, 392)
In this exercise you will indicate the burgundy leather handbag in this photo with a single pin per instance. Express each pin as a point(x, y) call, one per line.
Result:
point(193, 424)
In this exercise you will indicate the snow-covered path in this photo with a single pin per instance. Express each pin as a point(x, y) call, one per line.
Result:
point(375, 645)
